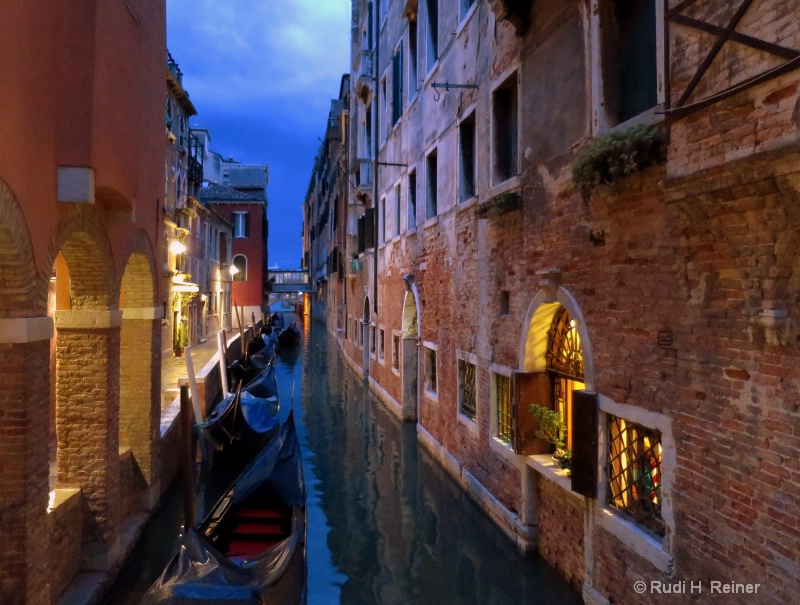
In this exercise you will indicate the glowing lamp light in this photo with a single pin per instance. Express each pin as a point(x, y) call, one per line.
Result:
point(233, 269)
point(186, 288)
point(177, 247)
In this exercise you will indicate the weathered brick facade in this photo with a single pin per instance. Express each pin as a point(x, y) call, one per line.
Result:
point(78, 211)
point(681, 279)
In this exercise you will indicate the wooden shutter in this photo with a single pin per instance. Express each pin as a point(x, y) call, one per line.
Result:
point(529, 388)
point(584, 443)
point(369, 228)
point(361, 235)
point(246, 224)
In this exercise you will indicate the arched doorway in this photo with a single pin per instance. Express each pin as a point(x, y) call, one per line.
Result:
point(409, 341)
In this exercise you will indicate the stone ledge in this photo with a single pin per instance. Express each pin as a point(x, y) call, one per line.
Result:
point(151, 313)
point(88, 319)
point(25, 330)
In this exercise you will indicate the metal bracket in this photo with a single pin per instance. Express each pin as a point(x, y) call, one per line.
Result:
point(447, 86)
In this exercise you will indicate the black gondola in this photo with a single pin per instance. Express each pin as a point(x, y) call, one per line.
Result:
point(289, 338)
point(244, 421)
point(251, 547)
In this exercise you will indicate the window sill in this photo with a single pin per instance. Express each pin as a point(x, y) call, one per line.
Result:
point(639, 542)
point(431, 222)
point(467, 203)
point(470, 424)
point(544, 465)
point(395, 371)
point(433, 396)
point(501, 187)
point(412, 231)
point(503, 449)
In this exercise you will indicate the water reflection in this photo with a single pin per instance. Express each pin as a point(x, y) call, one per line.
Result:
point(400, 530)
point(386, 525)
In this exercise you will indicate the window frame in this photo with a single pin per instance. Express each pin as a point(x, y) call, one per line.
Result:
point(464, 359)
point(412, 198)
point(430, 349)
point(498, 445)
point(236, 278)
point(513, 168)
point(431, 184)
point(658, 553)
point(469, 118)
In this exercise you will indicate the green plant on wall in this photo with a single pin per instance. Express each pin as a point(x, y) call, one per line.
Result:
point(612, 156)
point(552, 428)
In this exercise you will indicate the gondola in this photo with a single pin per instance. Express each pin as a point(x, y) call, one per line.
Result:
point(244, 421)
point(289, 338)
point(250, 549)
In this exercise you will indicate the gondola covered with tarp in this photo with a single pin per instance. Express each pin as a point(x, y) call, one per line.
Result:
point(250, 549)
point(244, 421)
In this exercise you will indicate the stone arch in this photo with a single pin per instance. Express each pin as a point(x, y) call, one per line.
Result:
point(25, 331)
point(23, 292)
point(139, 370)
point(533, 338)
point(81, 238)
point(410, 324)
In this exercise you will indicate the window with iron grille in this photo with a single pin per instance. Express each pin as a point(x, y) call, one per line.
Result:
point(502, 395)
point(634, 473)
point(466, 389)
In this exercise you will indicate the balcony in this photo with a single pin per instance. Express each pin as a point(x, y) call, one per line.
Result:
point(365, 75)
point(363, 177)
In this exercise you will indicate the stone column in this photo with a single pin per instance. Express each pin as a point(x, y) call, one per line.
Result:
point(87, 424)
point(24, 411)
point(140, 395)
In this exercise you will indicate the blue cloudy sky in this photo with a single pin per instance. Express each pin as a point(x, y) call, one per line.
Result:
point(261, 74)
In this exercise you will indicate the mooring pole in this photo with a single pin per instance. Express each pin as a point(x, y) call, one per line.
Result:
point(187, 466)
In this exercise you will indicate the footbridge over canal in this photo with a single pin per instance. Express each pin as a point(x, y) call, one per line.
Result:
point(288, 285)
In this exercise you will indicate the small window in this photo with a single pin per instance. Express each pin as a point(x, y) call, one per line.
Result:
point(466, 157)
point(397, 210)
point(372, 340)
point(502, 397)
point(381, 343)
point(413, 67)
point(397, 84)
point(505, 302)
point(505, 136)
point(240, 262)
point(466, 389)
point(241, 224)
point(395, 351)
point(432, 47)
point(634, 474)
point(385, 113)
point(431, 190)
point(430, 372)
point(412, 199)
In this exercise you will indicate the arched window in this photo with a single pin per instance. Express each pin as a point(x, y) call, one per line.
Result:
point(565, 365)
point(240, 262)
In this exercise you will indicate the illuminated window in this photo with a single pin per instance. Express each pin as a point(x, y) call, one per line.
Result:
point(634, 473)
point(502, 395)
point(565, 365)
point(240, 262)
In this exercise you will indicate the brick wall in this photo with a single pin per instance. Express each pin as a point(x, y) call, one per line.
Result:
point(65, 527)
point(560, 522)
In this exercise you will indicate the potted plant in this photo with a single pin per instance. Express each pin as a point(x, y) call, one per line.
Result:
point(552, 428)
point(182, 337)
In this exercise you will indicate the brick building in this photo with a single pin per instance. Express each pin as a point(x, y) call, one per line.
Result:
point(324, 216)
point(592, 207)
point(81, 257)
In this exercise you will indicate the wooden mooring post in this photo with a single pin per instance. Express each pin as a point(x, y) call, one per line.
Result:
point(187, 457)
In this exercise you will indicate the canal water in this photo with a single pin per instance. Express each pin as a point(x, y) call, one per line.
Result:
point(386, 525)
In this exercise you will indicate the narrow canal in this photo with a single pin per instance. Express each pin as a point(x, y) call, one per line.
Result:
point(386, 525)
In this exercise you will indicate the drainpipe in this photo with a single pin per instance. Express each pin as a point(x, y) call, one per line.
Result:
point(375, 64)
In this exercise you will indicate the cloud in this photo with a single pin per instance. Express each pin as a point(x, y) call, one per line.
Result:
point(261, 74)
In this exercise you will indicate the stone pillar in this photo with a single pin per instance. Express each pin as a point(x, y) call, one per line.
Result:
point(24, 410)
point(87, 424)
point(140, 396)
point(410, 373)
